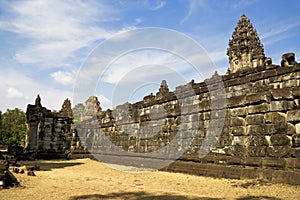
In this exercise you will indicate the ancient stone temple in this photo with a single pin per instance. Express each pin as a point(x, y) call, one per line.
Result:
point(48, 133)
point(245, 49)
point(259, 136)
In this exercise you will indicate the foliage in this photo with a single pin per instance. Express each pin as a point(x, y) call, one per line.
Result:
point(13, 127)
point(77, 112)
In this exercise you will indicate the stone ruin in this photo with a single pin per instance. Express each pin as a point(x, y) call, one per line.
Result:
point(49, 133)
point(261, 133)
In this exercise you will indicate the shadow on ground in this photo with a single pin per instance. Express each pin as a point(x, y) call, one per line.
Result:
point(149, 196)
point(258, 198)
point(48, 166)
point(138, 196)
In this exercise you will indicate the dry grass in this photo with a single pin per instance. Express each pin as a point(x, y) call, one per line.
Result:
point(89, 179)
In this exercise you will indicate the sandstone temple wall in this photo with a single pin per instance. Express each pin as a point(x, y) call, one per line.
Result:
point(260, 137)
point(48, 133)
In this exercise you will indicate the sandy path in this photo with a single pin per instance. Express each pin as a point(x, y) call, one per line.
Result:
point(88, 179)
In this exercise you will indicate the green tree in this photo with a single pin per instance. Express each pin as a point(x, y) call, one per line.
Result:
point(13, 130)
point(77, 112)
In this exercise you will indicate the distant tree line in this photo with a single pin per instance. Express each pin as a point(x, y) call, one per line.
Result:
point(12, 127)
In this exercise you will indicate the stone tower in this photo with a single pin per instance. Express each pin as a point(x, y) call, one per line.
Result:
point(245, 49)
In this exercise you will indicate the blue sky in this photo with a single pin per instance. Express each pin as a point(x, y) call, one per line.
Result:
point(44, 43)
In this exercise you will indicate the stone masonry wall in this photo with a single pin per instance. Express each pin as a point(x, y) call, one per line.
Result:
point(48, 133)
point(260, 137)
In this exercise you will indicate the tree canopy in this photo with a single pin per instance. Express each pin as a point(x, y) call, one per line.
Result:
point(77, 112)
point(13, 127)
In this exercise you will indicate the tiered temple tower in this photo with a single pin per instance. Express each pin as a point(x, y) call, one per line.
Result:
point(245, 49)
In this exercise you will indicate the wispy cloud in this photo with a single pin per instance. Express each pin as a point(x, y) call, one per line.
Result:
point(15, 93)
point(55, 30)
point(279, 30)
point(193, 6)
point(64, 77)
point(157, 5)
point(240, 4)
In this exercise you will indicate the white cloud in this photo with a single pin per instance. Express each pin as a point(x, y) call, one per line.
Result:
point(19, 90)
point(56, 29)
point(103, 99)
point(280, 33)
point(158, 5)
point(15, 93)
point(129, 63)
point(63, 77)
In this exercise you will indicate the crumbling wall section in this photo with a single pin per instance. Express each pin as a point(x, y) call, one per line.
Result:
point(48, 133)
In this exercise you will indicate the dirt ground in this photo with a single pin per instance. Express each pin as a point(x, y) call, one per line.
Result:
point(89, 179)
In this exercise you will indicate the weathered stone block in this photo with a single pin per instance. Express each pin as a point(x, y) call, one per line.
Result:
point(238, 112)
point(240, 140)
point(257, 98)
point(206, 115)
point(290, 129)
point(280, 140)
point(295, 153)
point(238, 150)
point(274, 163)
point(275, 117)
point(235, 160)
point(218, 114)
point(296, 93)
point(293, 116)
point(210, 158)
point(256, 151)
point(258, 140)
point(236, 101)
point(257, 130)
point(290, 83)
point(237, 121)
point(261, 108)
point(278, 151)
point(238, 130)
point(281, 105)
point(281, 94)
point(297, 103)
point(297, 126)
point(225, 139)
point(253, 161)
point(205, 105)
point(255, 119)
point(276, 129)
point(296, 140)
